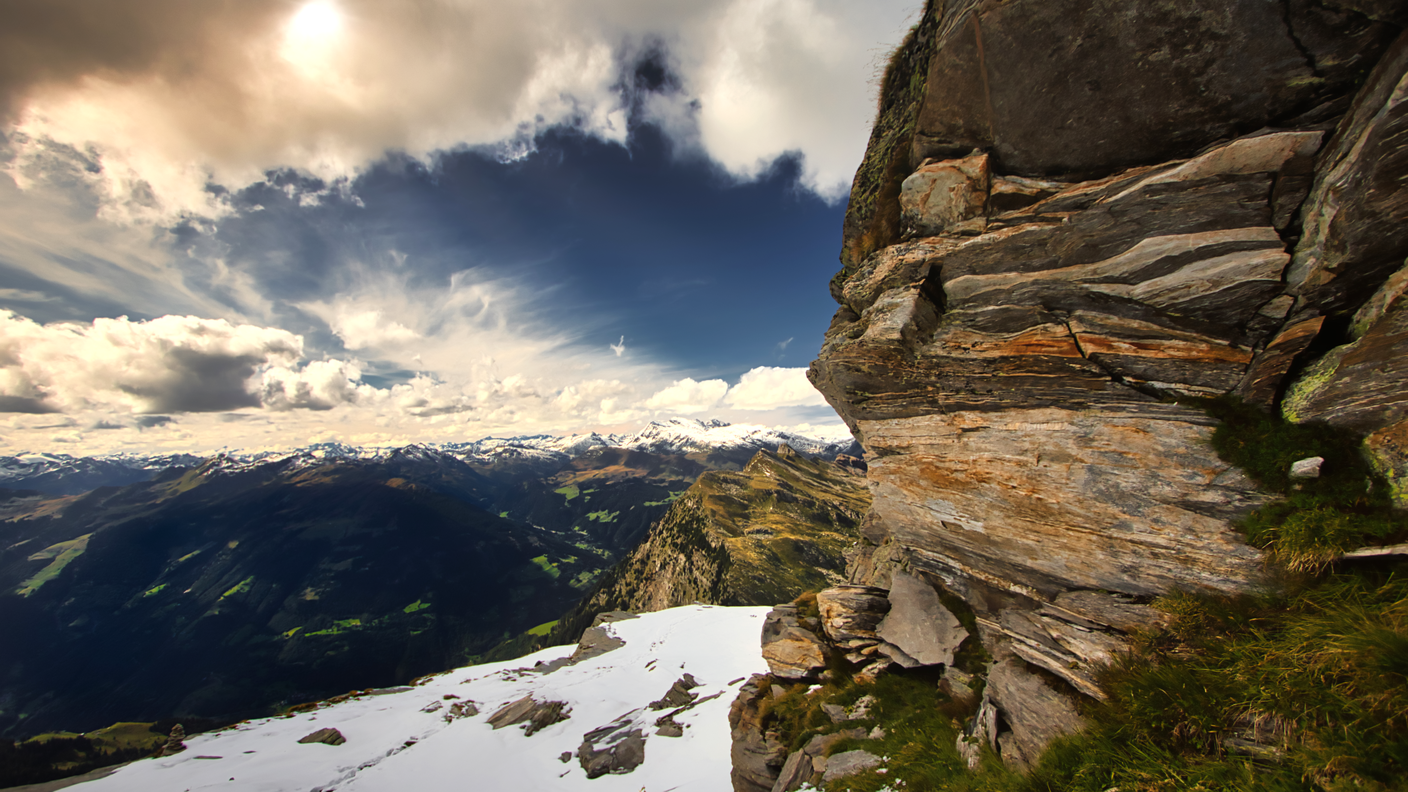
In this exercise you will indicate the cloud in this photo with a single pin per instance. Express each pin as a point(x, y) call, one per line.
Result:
point(775, 76)
point(197, 93)
point(23, 404)
point(619, 347)
point(319, 385)
point(768, 388)
point(61, 261)
point(172, 364)
point(363, 329)
point(24, 295)
point(687, 396)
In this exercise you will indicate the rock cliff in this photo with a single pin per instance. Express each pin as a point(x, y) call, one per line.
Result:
point(1074, 221)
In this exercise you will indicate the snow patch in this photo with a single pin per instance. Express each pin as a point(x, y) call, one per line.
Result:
point(397, 740)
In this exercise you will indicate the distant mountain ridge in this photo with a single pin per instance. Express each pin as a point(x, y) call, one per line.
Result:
point(64, 474)
point(757, 536)
point(225, 585)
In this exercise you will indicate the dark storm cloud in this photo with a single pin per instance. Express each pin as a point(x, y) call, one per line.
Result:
point(21, 404)
point(50, 43)
point(197, 381)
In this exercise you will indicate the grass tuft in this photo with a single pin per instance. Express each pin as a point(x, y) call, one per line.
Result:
point(1318, 519)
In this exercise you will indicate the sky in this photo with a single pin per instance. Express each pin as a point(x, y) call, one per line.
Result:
point(265, 224)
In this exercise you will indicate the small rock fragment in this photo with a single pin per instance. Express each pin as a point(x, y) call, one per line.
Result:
point(795, 772)
point(623, 750)
point(513, 712)
point(678, 695)
point(818, 745)
point(867, 675)
point(957, 683)
point(852, 612)
point(174, 742)
point(323, 736)
point(1307, 468)
point(539, 715)
point(461, 709)
point(545, 715)
point(849, 763)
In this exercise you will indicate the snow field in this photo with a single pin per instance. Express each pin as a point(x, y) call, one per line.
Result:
point(393, 745)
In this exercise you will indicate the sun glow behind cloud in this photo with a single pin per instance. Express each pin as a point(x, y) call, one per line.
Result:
point(131, 153)
point(331, 87)
point(314, 22)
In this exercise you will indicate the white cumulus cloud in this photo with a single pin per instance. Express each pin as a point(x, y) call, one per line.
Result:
point(319, 385)
point(687, 396)
point(768, 388)
point(171, 364)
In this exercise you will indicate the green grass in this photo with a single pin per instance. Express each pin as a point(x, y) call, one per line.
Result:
point(603, 516)
point(62, 554)
point(921, 726)
point(544, 628)
point(547, 566)
point(585, 578)
point(671, 498)
point(415, 606)
point(1320, 674)
point(339, 627)
point(569, 492)
point(239, 588)
point(1315, 520)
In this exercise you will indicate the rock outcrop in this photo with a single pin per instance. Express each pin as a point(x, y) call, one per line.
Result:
point(757, 755)
point(615, 748)
point(1073, 221)
point(327, 736)
point(758, 536)
point(533, 714)
point(175, 742)
point(792, 649)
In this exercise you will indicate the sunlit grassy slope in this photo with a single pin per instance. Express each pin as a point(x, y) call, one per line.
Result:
point(758, 536)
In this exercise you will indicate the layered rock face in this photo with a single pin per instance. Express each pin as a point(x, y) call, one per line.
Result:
point(1083, 217)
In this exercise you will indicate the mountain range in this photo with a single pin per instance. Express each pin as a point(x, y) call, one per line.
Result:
point(718, 443)
point(227, 586)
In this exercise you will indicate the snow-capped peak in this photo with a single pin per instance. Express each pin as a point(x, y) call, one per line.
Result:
point(64, 474)
point(683, 435)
